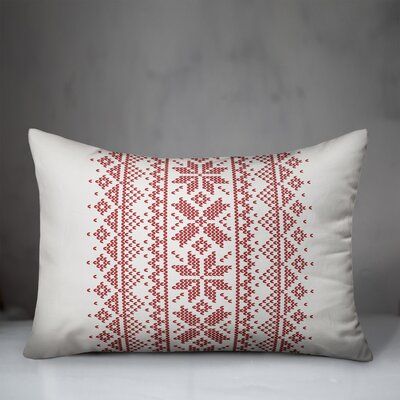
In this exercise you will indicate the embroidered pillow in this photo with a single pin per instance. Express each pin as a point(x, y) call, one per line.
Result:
point(146, 254)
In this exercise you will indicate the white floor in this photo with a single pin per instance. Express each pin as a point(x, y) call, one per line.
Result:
point(202, 376)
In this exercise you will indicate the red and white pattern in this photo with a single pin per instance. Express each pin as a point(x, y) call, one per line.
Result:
point(202, 254)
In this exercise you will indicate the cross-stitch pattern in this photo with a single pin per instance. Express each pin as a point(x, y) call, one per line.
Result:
point(202, 254)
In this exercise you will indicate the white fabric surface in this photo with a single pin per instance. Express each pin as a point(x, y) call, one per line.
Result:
point(232, 376)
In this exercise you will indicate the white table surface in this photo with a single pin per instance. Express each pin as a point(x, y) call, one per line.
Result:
point(202, 376)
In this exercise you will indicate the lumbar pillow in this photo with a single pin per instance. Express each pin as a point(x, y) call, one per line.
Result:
point(146, 254)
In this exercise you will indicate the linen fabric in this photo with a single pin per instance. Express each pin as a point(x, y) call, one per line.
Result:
point(146, 254)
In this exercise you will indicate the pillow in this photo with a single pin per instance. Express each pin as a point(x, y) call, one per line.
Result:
point(147, 254)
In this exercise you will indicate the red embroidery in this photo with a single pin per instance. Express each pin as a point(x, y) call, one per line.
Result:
point(199, 254)
point(200, 279)
point(201, 263)
point(197, 173)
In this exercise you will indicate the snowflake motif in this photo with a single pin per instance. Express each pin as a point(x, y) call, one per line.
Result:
point(197, 278)
point(207, 327)
point(200, 174)
point(201, 220)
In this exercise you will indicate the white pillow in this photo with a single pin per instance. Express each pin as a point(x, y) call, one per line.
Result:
point(203, 254)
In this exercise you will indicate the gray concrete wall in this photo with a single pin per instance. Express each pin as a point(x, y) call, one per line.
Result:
point(205, 77)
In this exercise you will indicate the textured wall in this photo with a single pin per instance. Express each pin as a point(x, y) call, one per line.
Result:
point(206, 77)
